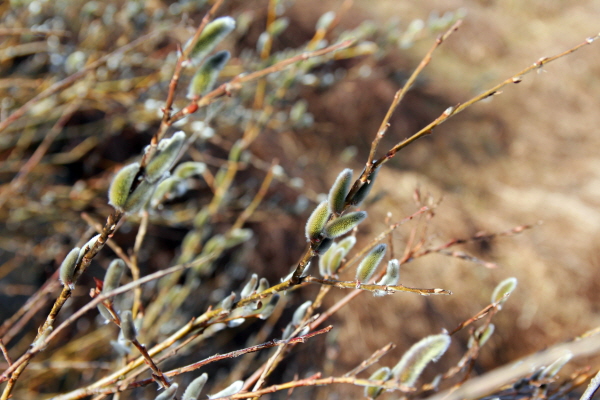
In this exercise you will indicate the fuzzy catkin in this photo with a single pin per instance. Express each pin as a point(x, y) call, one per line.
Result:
point(212, 34)
point(67, 268)
point(120, 186)
point(338, 192)
point(169, 393)
point(206, 76)
point(382, 374)
point(168, 150)
point(368, 266)
point(316, 222)
point(195, 387)
point(128, 326)
point(503, 290)
point(113, 275)
point(344, 224)
point(414, 361)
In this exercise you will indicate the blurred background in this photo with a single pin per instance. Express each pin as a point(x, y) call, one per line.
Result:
point(525, 157)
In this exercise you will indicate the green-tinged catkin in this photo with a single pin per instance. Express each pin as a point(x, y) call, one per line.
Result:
point(163, 190)
point(368, 266)
point(503, 290)
point(347, 243)
point(228, 391)
point(168, 150)
point(382, 374)
point(325, 257)
point(128, 326)
point(336, 260)
point(195, 387)
point(212, 34)
point(344, 224)
point(120, 186)
point(391, 277)
point(67, 268)
point(139, 198)
point(481, 335)
point(206, 76)
point(169, 393)
point(188, 169)
point(338, 192)
point(414, 361)
point(364, 190)
point(113, 275)
point(316, 222)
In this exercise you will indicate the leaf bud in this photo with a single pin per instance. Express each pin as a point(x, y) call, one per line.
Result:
point(382, 374)
point(338, 192)
point(503, 290)
point(67, 268)
point(368, 266)
point(168, 150)
point(120, 186)
point(316, 222)
point(206, 76)
point(195, 387)
point(414, 361)
point(169, 393)
point(212, 34)
point(344, 224)
point(127, 326)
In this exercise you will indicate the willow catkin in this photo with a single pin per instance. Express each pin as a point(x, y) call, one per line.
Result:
point(338, 192)
point(368, 266)
point(382, 374)
point(195, 387)
point(212, 34)
point(414, 361)
point(67, 268)
point(344, 224)
point(316, 222)
point(120, 186)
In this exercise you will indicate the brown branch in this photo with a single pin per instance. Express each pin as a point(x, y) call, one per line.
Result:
point(452, 111)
